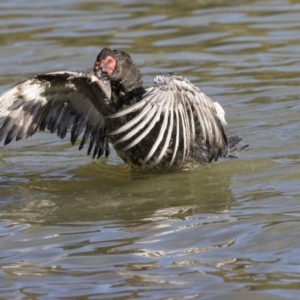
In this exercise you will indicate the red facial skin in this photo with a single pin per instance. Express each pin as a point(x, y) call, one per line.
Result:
point(107, 65)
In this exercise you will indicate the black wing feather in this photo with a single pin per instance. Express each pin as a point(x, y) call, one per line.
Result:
point(56, 101)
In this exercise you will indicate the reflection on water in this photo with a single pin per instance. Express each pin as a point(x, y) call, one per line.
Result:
point(77, 228)
point(112, 193)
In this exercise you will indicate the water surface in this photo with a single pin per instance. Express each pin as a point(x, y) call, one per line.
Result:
point(72, 227)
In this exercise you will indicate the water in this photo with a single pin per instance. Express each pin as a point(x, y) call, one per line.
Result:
point(76, 228)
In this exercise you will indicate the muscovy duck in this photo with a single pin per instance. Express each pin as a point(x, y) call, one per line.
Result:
point(166, 125)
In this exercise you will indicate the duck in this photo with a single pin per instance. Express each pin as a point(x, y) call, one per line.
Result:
point(167, 125)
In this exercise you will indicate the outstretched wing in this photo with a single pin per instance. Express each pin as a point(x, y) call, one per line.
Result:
point(56, 101)
point(188, 119)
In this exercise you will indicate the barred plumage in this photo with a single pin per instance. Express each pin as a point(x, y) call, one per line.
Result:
point(168, 124)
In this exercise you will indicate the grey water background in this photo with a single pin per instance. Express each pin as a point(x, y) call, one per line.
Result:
point(72, 227)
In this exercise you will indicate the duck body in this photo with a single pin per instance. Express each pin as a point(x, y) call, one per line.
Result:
point(166, 125)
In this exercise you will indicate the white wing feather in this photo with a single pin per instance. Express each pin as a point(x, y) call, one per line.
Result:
point(186, 116)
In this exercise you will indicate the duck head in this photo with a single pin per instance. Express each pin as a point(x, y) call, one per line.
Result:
point(119, 68)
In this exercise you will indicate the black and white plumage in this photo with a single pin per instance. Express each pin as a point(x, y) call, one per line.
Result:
point(166, 125)
point(182, 121)
point(55, 101)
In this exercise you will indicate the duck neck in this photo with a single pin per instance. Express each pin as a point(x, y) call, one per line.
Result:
point(129, 89)
point(123, 96)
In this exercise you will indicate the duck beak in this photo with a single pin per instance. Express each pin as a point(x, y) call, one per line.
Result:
point(99, 72)
point(94, 78)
